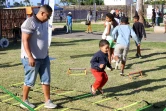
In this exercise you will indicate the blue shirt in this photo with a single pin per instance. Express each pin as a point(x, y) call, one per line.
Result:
point(100, 58)
point(69, 19)
point(124, 34)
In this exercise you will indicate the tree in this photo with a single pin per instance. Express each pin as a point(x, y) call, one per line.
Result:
point(21, 4)
point(16, 4)
point(27, 2)
point(140, 12)
point(2, 2)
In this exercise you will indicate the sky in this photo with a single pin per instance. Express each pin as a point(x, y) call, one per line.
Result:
point(34, 1)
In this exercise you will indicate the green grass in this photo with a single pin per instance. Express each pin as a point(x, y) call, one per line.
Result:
point(95, 27)
point(77, 53)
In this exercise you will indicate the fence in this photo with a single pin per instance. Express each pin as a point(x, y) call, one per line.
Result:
point(8, 17)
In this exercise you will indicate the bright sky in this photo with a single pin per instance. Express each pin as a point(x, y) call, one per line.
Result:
point(33, 1)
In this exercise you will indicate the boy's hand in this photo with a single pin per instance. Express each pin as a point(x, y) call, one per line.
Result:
point(138, 45)
point(101, 66)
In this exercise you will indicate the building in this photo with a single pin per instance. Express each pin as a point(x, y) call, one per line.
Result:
point(118, 2)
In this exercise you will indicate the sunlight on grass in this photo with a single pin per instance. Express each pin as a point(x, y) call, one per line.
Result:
point(77, 53)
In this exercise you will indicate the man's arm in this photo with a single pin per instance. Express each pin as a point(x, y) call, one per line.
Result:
point(25, 40)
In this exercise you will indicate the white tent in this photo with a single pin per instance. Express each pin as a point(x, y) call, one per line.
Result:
point(118, 2)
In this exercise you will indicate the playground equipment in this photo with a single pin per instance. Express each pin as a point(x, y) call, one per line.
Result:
point(83, 69)
point(133, 73)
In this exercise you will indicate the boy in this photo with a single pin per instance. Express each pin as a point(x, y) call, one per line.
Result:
point(69, 23)
point(123, 42)
point(98, 64)
point(140, 32)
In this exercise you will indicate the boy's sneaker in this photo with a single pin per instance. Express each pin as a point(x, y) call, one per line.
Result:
point(50, 105)
point(108, 69)
point(122, 74)
point(117, 65)
point(113, 61)
point(29, 104)
point(136, 55)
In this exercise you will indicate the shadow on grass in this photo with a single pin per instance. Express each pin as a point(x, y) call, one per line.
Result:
point(135, 86)
point(72, 42)
point(8, 65)
point(83, 55)
point(150, 60)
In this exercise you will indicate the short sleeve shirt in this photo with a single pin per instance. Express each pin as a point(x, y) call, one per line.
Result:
point(39, 38)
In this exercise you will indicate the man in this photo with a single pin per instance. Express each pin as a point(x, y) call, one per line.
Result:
point(34, 54)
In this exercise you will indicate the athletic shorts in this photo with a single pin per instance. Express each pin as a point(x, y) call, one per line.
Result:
point(121, 51)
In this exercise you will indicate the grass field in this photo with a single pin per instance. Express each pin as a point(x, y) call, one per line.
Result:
point(95, 27)
point(73, 91)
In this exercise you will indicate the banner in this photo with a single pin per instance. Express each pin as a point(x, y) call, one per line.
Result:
point(51, 4)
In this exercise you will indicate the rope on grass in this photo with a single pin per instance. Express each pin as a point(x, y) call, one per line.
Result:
point(119, 109)
point(16, 98)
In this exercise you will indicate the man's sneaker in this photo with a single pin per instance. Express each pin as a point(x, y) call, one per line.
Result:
point(29, 104)
point(50, 105)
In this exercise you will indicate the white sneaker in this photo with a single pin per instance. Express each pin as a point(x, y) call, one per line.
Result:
point(116, 65)
point(108, 69)
point(29, 104)
point(113, 61)
point(50, 105)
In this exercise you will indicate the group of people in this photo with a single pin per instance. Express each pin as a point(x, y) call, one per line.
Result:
point(35, 55)
point(156, 14)
point(114, 46)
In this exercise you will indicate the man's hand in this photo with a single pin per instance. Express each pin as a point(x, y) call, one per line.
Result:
point(101, 66)
point(138, 45)
point(31, 61)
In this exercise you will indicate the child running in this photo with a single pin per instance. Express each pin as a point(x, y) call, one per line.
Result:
point(140, 32)
point(123, 42)
point(110, 24)
point(98, 64)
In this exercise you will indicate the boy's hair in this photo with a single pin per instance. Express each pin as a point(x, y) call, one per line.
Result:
point(103, 43)
point(125, 20)
point(136, 17)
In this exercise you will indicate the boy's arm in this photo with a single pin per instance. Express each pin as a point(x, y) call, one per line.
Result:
point(94, 61)
point(134, 36)
point(114, 32)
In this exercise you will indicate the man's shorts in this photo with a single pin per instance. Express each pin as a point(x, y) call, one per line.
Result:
point(121, 51)
point(42, 66)
point(112, 43)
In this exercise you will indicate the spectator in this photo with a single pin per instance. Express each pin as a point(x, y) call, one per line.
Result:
point(89, 19)
point(153, 17)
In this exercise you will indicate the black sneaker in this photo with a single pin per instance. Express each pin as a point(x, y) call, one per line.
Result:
point(136, 55)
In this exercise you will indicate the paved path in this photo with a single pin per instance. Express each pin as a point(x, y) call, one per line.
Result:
point(151, 37)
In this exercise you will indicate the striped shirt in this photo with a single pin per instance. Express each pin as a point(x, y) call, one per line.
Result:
point(39, 38)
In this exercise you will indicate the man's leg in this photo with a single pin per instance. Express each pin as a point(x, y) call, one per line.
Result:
point(26, 90)
point(46, 90)
point(44, 73)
